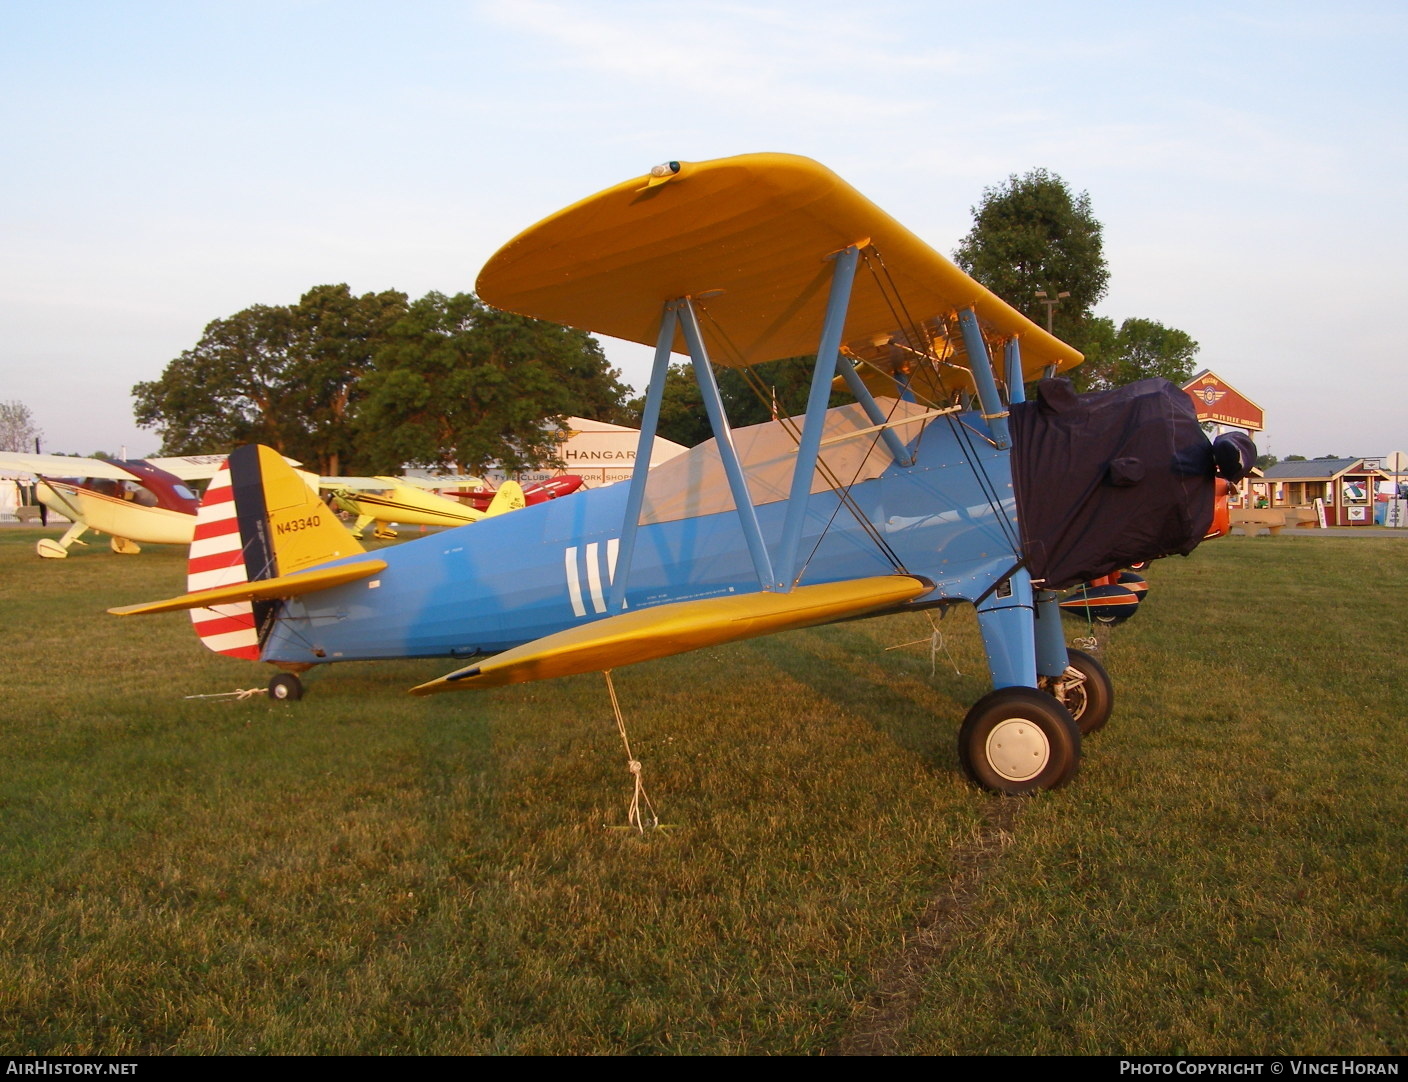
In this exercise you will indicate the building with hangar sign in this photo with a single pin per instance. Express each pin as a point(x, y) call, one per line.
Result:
point(601, 453)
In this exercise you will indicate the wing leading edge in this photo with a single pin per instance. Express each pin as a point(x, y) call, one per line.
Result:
point(664, 630)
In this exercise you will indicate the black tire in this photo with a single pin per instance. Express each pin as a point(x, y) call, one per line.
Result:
point(1019, 740)
point(285, 688)
point(1087, 694)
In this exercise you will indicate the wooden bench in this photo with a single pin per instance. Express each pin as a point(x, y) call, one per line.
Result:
point(29, 513)
point(1252, 522)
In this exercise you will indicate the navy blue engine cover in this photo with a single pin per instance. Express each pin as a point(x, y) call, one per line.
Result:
point(1108, 479)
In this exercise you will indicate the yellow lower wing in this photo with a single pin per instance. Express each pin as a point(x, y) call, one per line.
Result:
point(305, 582)
point(673, 629)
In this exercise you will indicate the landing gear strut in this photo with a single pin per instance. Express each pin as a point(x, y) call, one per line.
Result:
point(1084, 689)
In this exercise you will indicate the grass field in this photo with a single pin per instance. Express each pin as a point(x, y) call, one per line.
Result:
point(364, 872)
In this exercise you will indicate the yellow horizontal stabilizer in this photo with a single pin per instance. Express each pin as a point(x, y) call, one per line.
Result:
point(305, 582)
point(673, 629)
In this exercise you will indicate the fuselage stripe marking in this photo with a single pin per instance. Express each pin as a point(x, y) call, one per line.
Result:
point(594, 577)
point(574, 585)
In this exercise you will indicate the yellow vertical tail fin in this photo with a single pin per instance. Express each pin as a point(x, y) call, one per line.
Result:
point(509, 497)
point(258, 520)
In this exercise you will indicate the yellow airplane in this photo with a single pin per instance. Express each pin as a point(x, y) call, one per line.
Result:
point(410, 501)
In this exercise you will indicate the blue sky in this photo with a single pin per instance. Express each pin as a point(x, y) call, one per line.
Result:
point(170, 164)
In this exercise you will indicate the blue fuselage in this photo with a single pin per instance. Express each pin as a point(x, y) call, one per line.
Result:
point(479, 589)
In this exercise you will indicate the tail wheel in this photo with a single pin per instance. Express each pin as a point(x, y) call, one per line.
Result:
point(1019, 740)
point(1084, 689)
point(286, 687)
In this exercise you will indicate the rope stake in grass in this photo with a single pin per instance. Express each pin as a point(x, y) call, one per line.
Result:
point(238, 694)
point(635, 817)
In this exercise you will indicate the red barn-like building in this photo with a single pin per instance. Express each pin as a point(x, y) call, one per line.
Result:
point(1222, 404)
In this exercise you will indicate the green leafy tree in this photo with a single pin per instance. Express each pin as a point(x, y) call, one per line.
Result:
point(682, 416)
point(1140, 349)
point(1033, 233)
point(460, 385)
point(285, 376)
point(335, 337)
point(17, 428)
point(229, 388)
point(773, 388)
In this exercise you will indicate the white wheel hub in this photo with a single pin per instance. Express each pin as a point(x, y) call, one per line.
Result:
point(1017, 749)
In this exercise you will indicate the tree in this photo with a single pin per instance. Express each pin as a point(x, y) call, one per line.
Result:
point(461, 385)
point(1140, 349)
point(279, 375)
point(1031, 234)
point(682, 416)
point(442, 381)
point(17, 428)
point(225, 390)
point(335, 337)
point(752, 396)
point(773, 388)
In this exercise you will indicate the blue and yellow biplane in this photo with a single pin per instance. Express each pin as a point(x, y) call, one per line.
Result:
point(918, 494)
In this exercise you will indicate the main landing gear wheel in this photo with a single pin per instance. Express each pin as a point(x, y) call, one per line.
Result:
point(1019, 740)
point(1084, 689)
point(285, 688)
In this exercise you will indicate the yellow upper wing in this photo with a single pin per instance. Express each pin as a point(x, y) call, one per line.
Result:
point(749, 238)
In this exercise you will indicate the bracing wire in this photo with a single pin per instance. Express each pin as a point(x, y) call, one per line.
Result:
point(755, 384)
point(921, 345)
